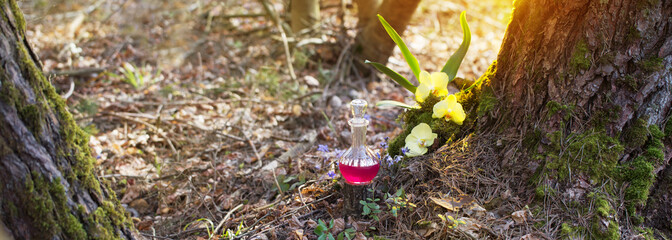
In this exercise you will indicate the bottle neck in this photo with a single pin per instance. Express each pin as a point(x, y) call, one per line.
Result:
point(358, 127)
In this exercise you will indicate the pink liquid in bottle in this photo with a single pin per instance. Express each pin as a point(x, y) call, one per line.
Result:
point(359, 175)
point(358, 165)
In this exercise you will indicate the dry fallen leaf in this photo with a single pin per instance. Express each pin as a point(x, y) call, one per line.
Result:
point(298, 234)
point(454, 204)
point(339, 225)
point(520, 216)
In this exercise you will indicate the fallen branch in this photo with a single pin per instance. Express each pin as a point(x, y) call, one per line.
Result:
point(77, 72)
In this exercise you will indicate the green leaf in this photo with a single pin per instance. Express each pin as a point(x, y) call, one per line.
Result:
point(399, 192)
point(322, 237)
point(362, 202)
point(330, 237)
point(366, 210)
point(410, 59)
point(455, 60)
point(340, 236)
point(401, 80)
point(391, 103)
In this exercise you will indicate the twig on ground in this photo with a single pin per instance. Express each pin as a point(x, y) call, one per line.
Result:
point(228, 215)
point(70, 91)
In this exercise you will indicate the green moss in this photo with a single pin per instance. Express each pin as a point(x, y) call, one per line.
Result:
point(602, 207)
point(541, 191)
point(668, 129)
point(18, 16)
point(487, 98)
point(569, 231)
point(554, 107)
point(651, 64)
point(655, 131)
point(602, 232)
point(40, 205)
point(49, 210)
point(580, 59)
point(603, 212)
point(637, 134)
point(639, 174)
point(592, 153)
point(32, 116)
point(77, 140)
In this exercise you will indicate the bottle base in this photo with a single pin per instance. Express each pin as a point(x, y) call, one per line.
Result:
point(359, 183)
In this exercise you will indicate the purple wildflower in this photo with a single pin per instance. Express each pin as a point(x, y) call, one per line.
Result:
point(404, 150)
point(322, 148)
point(331, 174)
point(383, 145)
point(389, 160)
point(367, 117)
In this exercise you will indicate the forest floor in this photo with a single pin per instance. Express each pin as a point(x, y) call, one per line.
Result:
point(198, 127)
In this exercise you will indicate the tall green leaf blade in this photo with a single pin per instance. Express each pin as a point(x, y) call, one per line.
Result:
point(390, 103)
point(410, 59)
point(455, 60)
point(394, 75)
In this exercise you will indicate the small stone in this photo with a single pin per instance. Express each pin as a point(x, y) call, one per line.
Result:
point(140, 205)
point(311, 81)
point(353, 94)
point(335, 102)
point(296, 110)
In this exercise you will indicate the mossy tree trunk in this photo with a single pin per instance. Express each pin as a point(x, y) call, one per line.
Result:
point(372, 42)
point(48, 189)
point(585, 88)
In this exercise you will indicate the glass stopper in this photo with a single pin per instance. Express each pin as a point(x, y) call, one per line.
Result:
point(358, 107)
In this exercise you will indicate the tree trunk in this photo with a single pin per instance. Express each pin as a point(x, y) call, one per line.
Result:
point(366, 10)
point(305, 14)
point(48, 189)
point(585, 86)
point(372, 42)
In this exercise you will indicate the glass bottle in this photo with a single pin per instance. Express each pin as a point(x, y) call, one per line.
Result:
point(359, 164)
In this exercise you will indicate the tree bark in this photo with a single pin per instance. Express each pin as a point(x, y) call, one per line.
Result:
point(48, 189)
point(305, 14)
point(366, 10)
point(372, 42)
point(568, 70)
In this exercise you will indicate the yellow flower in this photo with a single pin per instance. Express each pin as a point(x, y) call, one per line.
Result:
point(420, 138)
point(449, 109)
point(435, 84)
